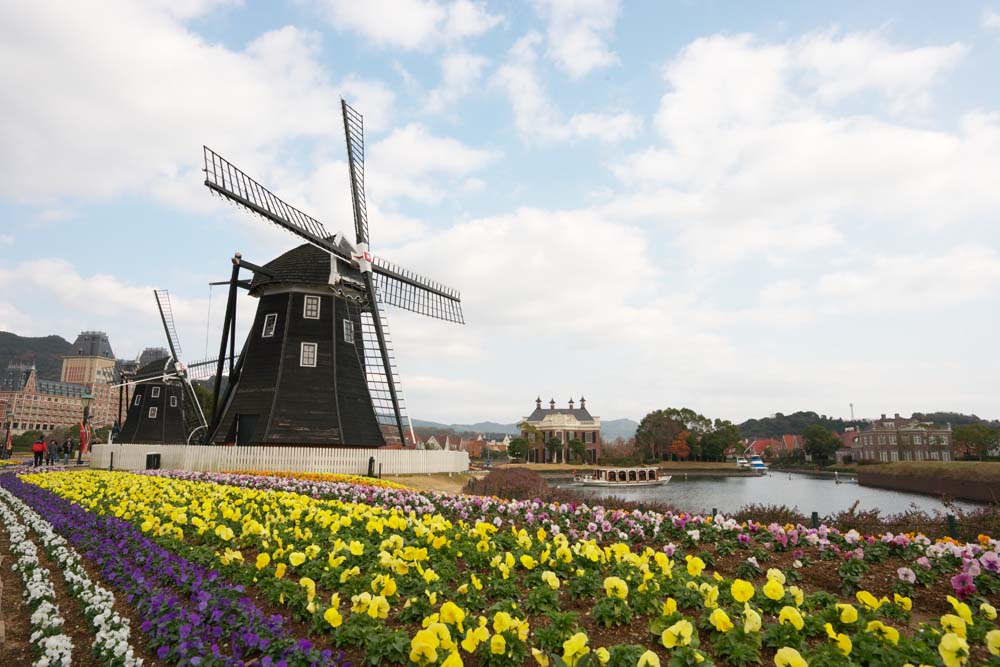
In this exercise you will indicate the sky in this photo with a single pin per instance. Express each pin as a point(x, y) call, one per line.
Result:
point(738, 208)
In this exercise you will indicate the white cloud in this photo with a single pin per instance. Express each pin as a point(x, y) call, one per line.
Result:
point(932, 280)
point(405, 163)
point(577, 32)
point(411, 24)
point(535, 114)
point(991, 19)
point(6, 239)
point(756, 162)
point(459, 71)
point(126, 105)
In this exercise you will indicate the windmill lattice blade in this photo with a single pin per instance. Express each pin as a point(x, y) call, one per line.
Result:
point(375, 375)
point(205, 369)
point(167, 316)
point(404, 289)
point(354, 134)
point(225, 179)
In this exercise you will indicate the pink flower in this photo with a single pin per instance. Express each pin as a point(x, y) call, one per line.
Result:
point(963, 584)
point(907, 575)
point(990, 561)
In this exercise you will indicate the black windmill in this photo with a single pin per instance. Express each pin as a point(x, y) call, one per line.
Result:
point(317, 367)
point(163, 407)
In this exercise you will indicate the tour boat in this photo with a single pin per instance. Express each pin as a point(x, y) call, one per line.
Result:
point(757, 465)
point(622, 477)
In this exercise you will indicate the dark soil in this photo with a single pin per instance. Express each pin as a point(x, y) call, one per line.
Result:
point(16, 649)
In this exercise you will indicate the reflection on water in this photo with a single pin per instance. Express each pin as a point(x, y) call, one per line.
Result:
point(808, 494)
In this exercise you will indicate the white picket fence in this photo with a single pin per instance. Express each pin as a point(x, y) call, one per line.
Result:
point(279, 459)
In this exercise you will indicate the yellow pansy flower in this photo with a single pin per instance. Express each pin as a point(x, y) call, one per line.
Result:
point(989, 611)
point(961, 609)
point(296, 558)
point(791, 615)
point(423, 647)
point(669, 607)
point(868, 600)
point(540, 657)
point(741, 590)
point(453, 660)
point(993, 641)
point(333, 617)
point(603, 655)
point(848, 614)
point(720, 620)
point(575, 648)
point(379, 607)
point(279, 571)
point(789, 657)
point(498, 645)
point(263, 560)
point(501, 621)
point(678, 634)
point(751, 619)
point(452, 614)
point(648, 659)
point(954, 650)
point(884, 631)
point(695, 565)
point(776, 574)
point(551, 579)
point(952, 623)
point(774, 590)
point(843, 641)
point(797, 595)
point(615, 587)
point(903, 602)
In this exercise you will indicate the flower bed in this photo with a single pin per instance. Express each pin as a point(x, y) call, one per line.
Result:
point(190, 614)
point(430, 579)
point(324, 477)
point(52, 646)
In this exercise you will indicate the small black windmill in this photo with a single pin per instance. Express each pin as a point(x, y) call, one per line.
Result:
point(163, 407)
point(317, 367)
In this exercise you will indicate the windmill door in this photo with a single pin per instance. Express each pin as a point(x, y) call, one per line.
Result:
point(245, 425)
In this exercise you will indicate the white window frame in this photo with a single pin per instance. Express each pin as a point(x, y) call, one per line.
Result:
point(173, 401)
point(270, 323)
point(138, 399)
point(302, 354)
point(152, 412)
point(305, 306)
point(349, 327)
point(154, 392)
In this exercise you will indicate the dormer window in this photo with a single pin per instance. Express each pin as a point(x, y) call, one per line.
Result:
point(310, 308)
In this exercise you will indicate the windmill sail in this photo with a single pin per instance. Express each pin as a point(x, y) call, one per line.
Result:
point(410, 291)
point(354, 132)
point(194, 418)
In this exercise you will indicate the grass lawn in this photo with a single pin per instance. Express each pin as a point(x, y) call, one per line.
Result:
point(982, 471)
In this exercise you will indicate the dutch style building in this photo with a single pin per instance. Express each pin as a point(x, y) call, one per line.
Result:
point(563, 424)
point(901, 439)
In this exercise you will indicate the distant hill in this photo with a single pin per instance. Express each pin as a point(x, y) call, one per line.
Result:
point(46, 353)
point(610, 428)
point(797, 422)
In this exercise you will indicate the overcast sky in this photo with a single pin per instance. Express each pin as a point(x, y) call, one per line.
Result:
point(652, 203)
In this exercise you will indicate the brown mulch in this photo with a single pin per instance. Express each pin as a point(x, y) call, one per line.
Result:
point(15, 649)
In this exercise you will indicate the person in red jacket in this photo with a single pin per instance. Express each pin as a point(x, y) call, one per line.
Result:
point(38, 449)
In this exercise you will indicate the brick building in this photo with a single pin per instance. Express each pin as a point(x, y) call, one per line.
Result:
point(36, 404)
point(563, 424)
point(901, 439)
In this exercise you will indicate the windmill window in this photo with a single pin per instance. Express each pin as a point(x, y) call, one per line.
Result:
point(307, 355)
point(155, 392)
point(152, 413)
point(349, 331)
point(269, 322)
point(310, 309)
point(138, 399)
point(173, 401)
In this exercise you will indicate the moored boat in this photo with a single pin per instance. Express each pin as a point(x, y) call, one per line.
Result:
point(757, 465)
point(623, 477)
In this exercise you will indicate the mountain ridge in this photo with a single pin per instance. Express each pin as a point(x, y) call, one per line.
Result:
point(610, 428)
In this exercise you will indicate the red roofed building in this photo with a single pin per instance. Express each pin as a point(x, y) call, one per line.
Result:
point(760, 445)
point(790, 443)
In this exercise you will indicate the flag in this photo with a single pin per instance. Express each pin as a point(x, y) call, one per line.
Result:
point(84, 437)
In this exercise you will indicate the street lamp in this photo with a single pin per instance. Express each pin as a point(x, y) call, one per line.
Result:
point(86, 399)
point(6, 439)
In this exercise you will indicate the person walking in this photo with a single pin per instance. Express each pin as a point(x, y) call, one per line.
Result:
point(38, 449)
point(67, 447)
point(52, 452)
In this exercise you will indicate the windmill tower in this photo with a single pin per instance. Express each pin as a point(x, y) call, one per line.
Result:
point(163, 407)
point(317, 366)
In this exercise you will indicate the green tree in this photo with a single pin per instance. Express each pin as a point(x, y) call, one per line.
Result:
point(821, 444)
point(578, 449)
point(554, 445)
point(723, 436)
point(979, 439)
point(660, 428)
point(518, 448)
point(205, 398)
point(533, 434)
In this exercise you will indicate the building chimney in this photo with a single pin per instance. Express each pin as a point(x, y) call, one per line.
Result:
point(583, 403)
point(570, 402)
point(538, 403)
point(883, 415)
point(897, 415)
point(552, 404)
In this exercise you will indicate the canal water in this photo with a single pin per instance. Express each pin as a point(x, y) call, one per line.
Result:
point(807, 493)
